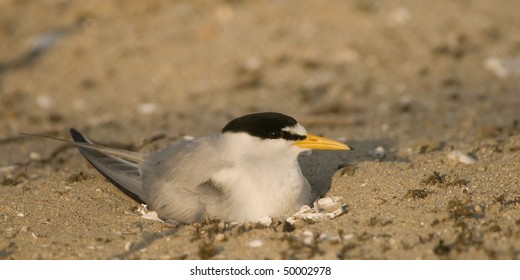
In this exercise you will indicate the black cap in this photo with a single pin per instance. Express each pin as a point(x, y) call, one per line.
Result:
point(268, 125)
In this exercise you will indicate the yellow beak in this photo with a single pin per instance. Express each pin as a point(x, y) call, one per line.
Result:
point(321, 143)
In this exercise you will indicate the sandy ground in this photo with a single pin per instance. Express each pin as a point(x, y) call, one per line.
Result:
point(434, 84)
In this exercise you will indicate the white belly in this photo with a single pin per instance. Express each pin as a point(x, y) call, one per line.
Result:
point(271, 190)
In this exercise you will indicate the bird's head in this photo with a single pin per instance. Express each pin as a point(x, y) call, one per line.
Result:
point(276, 131)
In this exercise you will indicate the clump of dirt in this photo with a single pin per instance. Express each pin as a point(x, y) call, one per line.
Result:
point(444, 180)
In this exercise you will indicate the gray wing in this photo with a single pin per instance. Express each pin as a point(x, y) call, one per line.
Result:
point(178, 180)
point(118, 166)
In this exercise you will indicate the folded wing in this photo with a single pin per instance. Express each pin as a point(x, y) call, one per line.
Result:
point(119, 166)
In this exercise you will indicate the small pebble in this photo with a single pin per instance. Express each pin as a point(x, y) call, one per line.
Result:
point(256, 243)
point(308, 237)
point(220, 237)
point(400, 15)
point(47, 40)
point(8, 169)
point(147, 108)
point(35, 156)
point(378, 153)
point(254, 63)
point(44, 102)
point(347, 236)
point(327, 237)
point(265, 221)
point(461, 157)
point(496, 66)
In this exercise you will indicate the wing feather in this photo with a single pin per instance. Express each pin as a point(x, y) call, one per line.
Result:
point(119, 166)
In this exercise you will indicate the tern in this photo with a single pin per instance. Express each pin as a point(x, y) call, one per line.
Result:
point(247, 172)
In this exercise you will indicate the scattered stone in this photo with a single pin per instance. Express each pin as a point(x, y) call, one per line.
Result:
point(147, 108)
point(308, 237)
point(347, 236)
point(44, 102)
point(400, 15)
point(256, 243)
point(265, 221)
point(35, 156)
point(253, 63)
point(220, 237)
point(503, 68)
point(8, 169)
point(461, 157)
point(46, 40)
point(379, 153)
point(128, 245)
point(328, 237)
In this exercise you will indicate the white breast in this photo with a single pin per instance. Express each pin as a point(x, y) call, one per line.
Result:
point(259, 190)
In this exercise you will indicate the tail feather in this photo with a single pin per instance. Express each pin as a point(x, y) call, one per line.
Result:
point(118, 166)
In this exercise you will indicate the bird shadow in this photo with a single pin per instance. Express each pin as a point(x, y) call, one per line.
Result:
point(319, 167)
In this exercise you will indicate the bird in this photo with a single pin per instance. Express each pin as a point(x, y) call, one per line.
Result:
point(247, 172)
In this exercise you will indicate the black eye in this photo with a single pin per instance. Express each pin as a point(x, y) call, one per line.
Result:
point(274, 134)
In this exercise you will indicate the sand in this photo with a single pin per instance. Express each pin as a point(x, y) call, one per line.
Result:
point(427, 93)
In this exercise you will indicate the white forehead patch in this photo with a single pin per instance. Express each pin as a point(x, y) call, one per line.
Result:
point(298, 129)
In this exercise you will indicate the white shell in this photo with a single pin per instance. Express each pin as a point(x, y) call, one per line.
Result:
point(327, 207)
point(149, 215)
